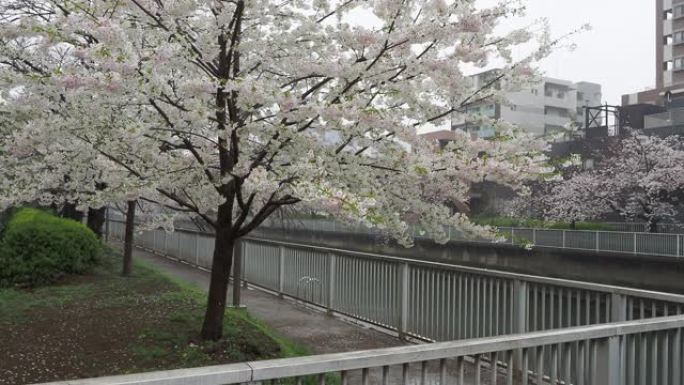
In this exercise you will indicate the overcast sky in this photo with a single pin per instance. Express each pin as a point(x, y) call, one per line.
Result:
point(619, 53)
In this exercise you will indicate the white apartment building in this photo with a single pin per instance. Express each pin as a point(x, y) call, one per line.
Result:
point(551, 105)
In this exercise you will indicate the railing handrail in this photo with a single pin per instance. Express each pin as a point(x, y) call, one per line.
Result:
point(584, 231)
point(312, 365)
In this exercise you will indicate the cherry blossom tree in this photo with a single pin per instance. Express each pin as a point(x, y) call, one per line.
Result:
point(643, 179)
point(230, 110)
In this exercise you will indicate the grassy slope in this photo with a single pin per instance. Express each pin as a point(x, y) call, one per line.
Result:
point(103, 324)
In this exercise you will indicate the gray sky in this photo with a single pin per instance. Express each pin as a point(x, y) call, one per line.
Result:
point(618, 53)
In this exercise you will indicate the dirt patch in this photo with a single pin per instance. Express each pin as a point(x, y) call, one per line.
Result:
point(103, 324)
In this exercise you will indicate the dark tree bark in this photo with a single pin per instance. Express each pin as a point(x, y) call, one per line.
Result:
point(128, 239)
point(227, 110)
point(69, 211)
point(573, 225)
point(96, 219)
point(212, 327)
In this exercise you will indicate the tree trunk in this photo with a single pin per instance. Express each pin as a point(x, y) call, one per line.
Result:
point(652, 225)
point(96, 219)
point(128, 239)
point(69, 211)
point(573, 225)
point(212, 328)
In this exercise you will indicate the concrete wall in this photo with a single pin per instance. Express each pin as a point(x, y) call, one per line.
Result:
point(652, 273)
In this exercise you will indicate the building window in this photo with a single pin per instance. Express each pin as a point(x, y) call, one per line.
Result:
point(677, 38)
point(678, 11)
point(679, 63)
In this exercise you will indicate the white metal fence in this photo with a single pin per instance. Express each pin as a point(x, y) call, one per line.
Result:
point(629, 353)
point(640, 227)
point(420, 299)
point(536, 329)
point(653, 244)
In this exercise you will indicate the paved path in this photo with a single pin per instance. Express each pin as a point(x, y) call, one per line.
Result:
point(317, 331)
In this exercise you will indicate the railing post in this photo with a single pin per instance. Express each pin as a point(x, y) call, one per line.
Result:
point(564, 239)
point(618, 308)
point(179, 255)
point(332, 264)
point(598, 247)
point(679, 246)
point(519, 306)
point(281, 271)
point(197, 252)
point(237, 269)
point(608, 361)
point(677, 357)
point(534, 237)
point(512, 235)
point(403, 300)
point(154, 240)
point(635, 242)
point(243, 267)
point(520, 310)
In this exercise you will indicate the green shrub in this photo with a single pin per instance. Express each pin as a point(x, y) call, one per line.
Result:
point(37, 248)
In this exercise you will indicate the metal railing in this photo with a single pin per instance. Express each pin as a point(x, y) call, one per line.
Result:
point(640, 227)
point(420, 299)
point(629, 353)
point(635, 243)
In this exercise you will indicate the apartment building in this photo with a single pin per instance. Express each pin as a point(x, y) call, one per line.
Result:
point(669, 60)
point(544, 108)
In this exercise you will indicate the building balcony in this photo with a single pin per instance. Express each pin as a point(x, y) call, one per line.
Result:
point(567, 102)
point(560, 121)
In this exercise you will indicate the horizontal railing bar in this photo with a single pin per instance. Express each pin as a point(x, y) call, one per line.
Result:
point(207, 375)
point(305, 366)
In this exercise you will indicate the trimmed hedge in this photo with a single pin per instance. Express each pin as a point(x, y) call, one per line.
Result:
point(37, 248)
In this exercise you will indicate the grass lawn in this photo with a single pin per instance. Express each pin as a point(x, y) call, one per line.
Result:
point(104, 324)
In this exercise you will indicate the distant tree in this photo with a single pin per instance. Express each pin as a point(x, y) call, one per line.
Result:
point(642, 178)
